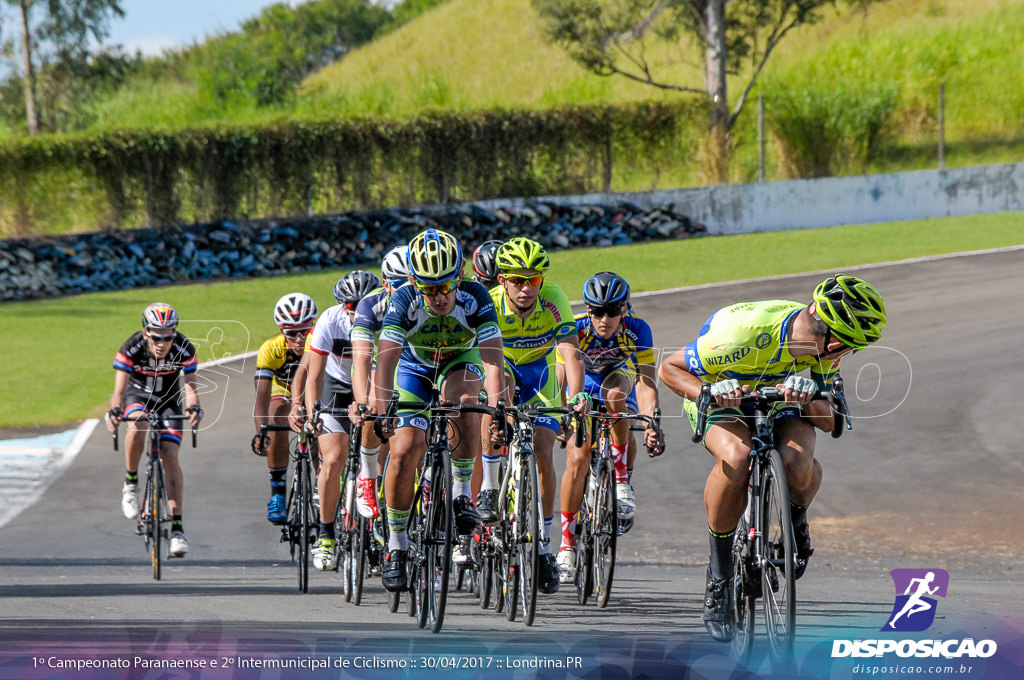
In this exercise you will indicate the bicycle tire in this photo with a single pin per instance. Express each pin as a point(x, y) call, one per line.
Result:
point(359, 553)
point(528, 537)
point(778, 584)
point(347, 522)
point(486, 577)
point(155, 487)
point(605, 532)
point(509, 568)
point(743, 595)
point(584, 542)
point(442, 537)
point(305, 504)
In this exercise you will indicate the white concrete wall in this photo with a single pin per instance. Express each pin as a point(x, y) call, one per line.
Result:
point(795, 204)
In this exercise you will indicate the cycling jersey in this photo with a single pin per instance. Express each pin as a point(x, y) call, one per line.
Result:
point(277, 362)
point(369, 319)
point(632, 345)
point(157, 379)
point(533, 338)
point(331, 337)
point(749, 342)
point(432, 341)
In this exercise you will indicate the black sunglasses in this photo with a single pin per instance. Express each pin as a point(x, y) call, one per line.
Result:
point(610, 312)
point(160, 338)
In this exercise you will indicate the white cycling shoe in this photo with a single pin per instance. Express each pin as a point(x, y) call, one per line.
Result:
point(627, 501)
point(130, 500)
point(567, 565)
point(179, 545)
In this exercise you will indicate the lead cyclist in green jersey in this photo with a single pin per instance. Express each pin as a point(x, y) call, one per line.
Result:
point(754, 344)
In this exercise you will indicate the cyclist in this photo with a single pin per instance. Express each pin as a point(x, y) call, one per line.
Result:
point(330, 352)
point(276, 364)
point(366, 327)
point(618, 355)
point(146, 368)
point(440, 333)
point(748, 345)
point(485, 269)
point(536, 322)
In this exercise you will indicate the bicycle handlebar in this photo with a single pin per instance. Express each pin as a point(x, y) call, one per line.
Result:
point(529, 412)
point(650, 422)
point(155, 420)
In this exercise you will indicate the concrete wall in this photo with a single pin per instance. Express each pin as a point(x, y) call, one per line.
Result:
point(794, 204)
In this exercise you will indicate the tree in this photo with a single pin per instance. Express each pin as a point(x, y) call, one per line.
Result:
point(57, 32)
point(611, 37)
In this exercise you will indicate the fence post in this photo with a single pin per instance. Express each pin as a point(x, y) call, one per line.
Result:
point(760, 138)
point(942, 127)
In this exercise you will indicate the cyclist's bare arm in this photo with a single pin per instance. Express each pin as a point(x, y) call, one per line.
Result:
point(647, 400)
point(298, 391)
point(492, 354)
point(117, 399)
point(315, 364)
point(674, 374)
point(362, 360)
point(261, 409)
point(195, 414)
point(388, 353)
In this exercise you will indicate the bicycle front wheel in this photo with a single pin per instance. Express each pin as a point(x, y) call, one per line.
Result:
point(778, 582)
point(437, 541)
point(155, 500)
point(527, 536)
point(743, 595)
point(304, 517)
point(585, 540)
point(606, 529)
point(347, 516)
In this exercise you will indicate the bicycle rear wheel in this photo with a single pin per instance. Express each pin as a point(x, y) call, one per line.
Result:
point(606, 529)
point(155, 500)
point(527, 537)
point(347, 515)
point(304, 525)
point(778, 583)
point(485, 553)
point(743, 595)
point(506, 571)
point(585, 540)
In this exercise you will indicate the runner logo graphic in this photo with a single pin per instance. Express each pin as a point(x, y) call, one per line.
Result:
point(914, 609)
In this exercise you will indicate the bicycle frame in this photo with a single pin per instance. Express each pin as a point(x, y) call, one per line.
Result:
point(298, 530)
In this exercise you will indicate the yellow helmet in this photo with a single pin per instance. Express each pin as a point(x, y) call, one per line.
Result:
point(434, 256)
point(522, 253)
point(852, 308)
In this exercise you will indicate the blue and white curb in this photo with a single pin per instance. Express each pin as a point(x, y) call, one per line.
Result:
point(29, 466)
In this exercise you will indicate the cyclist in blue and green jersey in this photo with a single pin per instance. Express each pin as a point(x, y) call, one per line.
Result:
point(617, 348)
point(366, 327)
point(440, 334)
point(768, 343)
point(536, 324)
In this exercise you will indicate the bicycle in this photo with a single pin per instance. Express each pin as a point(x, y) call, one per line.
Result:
point(155, 511)
point(355, 536)
point(764, 548)
point(515, 540)
point(431, 528)
point(303, 520)
point(597, 526)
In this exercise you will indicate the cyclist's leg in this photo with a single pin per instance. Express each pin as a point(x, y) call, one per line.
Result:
point(277, 459)
point(136, 439)
point(795, 438)
point(577, 463)
point(461, 382)
point(333, 444)
point(616, 387)
point(174, 483)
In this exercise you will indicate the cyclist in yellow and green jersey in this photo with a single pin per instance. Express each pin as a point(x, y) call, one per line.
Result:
point(536, 321)
point(752, 344)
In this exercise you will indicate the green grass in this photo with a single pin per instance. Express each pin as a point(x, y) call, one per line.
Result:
point(69, 343)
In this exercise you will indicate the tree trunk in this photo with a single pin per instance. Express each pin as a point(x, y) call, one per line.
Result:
point(718, 126)
point(29, 82)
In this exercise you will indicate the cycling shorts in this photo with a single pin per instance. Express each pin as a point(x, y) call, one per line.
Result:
point(335, 396)
point(538, 386)
point(137, 402)
point(418, 383)
point(592, 383)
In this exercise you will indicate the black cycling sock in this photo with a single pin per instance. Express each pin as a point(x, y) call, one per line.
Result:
point(176, 524)
point(326, 529)
point(131, 477)
point(721, 553)
point(278, 484)
point(798, 514)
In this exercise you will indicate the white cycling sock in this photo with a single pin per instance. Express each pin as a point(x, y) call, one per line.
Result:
point(368, 462)
point(492, 468)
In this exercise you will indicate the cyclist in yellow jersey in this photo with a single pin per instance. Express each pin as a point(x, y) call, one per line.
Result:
point(276, 364)
point(536, 322)
point(754, 344)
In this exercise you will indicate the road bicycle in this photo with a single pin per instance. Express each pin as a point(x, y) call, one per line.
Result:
point(512, 546)
point(155, 513)
point(355, 549)
point(597, 524)
point(764, 548)
point(431, 528)
point(302, 523)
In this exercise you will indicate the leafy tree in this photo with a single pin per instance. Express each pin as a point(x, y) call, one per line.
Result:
point(611, 37)
point(55, 37)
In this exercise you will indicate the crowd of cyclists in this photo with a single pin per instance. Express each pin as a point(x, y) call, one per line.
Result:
point(432, 327)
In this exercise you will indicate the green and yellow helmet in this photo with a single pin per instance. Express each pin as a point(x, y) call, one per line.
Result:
point(522, 253)
point(434, 256)
point(851, 308)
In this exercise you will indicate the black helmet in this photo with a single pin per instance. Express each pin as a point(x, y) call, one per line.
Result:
point(606, 289)
point(354, 286)
point(484, 265)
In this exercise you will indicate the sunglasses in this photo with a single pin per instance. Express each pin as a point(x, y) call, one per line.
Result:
point(350, 306)
point(520, 281)
point(601, 312)
point(395, 283)
point(160, 338)
point(432, 289)
point(296, 333)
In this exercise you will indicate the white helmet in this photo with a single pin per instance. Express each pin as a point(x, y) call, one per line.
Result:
point(295, 309)
point(159, 316)
point(396, 263)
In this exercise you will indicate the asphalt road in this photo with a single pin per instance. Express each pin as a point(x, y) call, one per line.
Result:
point(929, 477)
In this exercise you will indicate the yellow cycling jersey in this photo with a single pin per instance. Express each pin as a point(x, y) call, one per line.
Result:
point(750, 342)
point(533, 338)
point(277, 362)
